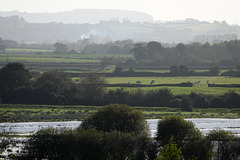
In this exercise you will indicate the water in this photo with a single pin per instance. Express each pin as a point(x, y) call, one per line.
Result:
point(205, 125)
point(26, 128)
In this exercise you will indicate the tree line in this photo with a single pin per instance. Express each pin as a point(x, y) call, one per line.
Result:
point(151, 53)
point(117, 132)
point(194, 54)
point(55, 87)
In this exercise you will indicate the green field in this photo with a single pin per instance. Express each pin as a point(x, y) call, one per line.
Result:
point(24, 113)
point(184, 90)
point(66, 62)
point(177, 80)
point(79, 63)
point(174, 80)
point(49, 60)
point(26, 50)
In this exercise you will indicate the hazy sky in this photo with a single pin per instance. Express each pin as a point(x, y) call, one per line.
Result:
point(204, 10)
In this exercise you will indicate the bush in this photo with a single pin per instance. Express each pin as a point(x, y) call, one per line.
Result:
point(185, 135)
point(217, 103)
point(226, 144)
point(178, 128)
point(186, 104)
point(116, 117)
point(90, 144)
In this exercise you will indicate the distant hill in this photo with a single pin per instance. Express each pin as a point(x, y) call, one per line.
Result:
point(80, 16)
point(189, 30)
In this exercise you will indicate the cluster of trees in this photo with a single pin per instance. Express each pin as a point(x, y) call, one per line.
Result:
point(87, 47)
point(51, 87)
point(195, 54)
point(117, 47)
point(55, 87)
point(164, 98)
point(118, 132)
point(155, 53)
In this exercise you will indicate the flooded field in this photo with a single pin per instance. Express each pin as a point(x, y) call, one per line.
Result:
point(205, 125)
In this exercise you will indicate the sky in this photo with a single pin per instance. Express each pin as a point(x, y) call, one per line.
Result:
point(163, 10)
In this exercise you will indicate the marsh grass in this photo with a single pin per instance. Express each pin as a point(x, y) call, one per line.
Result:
point(24, 113)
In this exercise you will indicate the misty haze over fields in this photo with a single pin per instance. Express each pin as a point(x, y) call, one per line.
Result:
point(109, 25)
point(81, 16)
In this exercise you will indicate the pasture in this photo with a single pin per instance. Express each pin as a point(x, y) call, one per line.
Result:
point(42, 60)
point(177, 80)
point(184, 90)
point(174, 80)
point(26, 50)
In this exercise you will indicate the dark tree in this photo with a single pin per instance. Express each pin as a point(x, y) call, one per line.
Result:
point(178, 128)
point(13, 76)
point(3, 48)
point(51, 86)
point(116, 117)
point(153, 48)
point(226, 144)
point(214, 71)
point(60, 48)
point(115, 50)
point(180, 47)
point(186, 104)
point(118, 69)
point(231, 99)
point(186, 136)
point(139, 52)
point(93, 88)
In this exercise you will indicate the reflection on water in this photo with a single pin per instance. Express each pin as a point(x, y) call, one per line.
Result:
point(205, 125)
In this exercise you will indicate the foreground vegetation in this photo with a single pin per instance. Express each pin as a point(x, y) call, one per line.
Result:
point(117, 132)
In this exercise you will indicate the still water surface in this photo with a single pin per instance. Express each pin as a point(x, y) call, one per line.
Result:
point(205, 125)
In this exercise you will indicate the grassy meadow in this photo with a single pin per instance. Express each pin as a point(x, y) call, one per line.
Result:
point(174, 80)
point(184, 90)
point(177, 80)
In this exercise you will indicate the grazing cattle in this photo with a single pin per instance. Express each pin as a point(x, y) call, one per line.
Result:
point(152, 82)
point(197, 82)
point(138, 82)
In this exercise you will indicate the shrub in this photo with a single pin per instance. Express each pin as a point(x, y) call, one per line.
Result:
point(116, 117)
